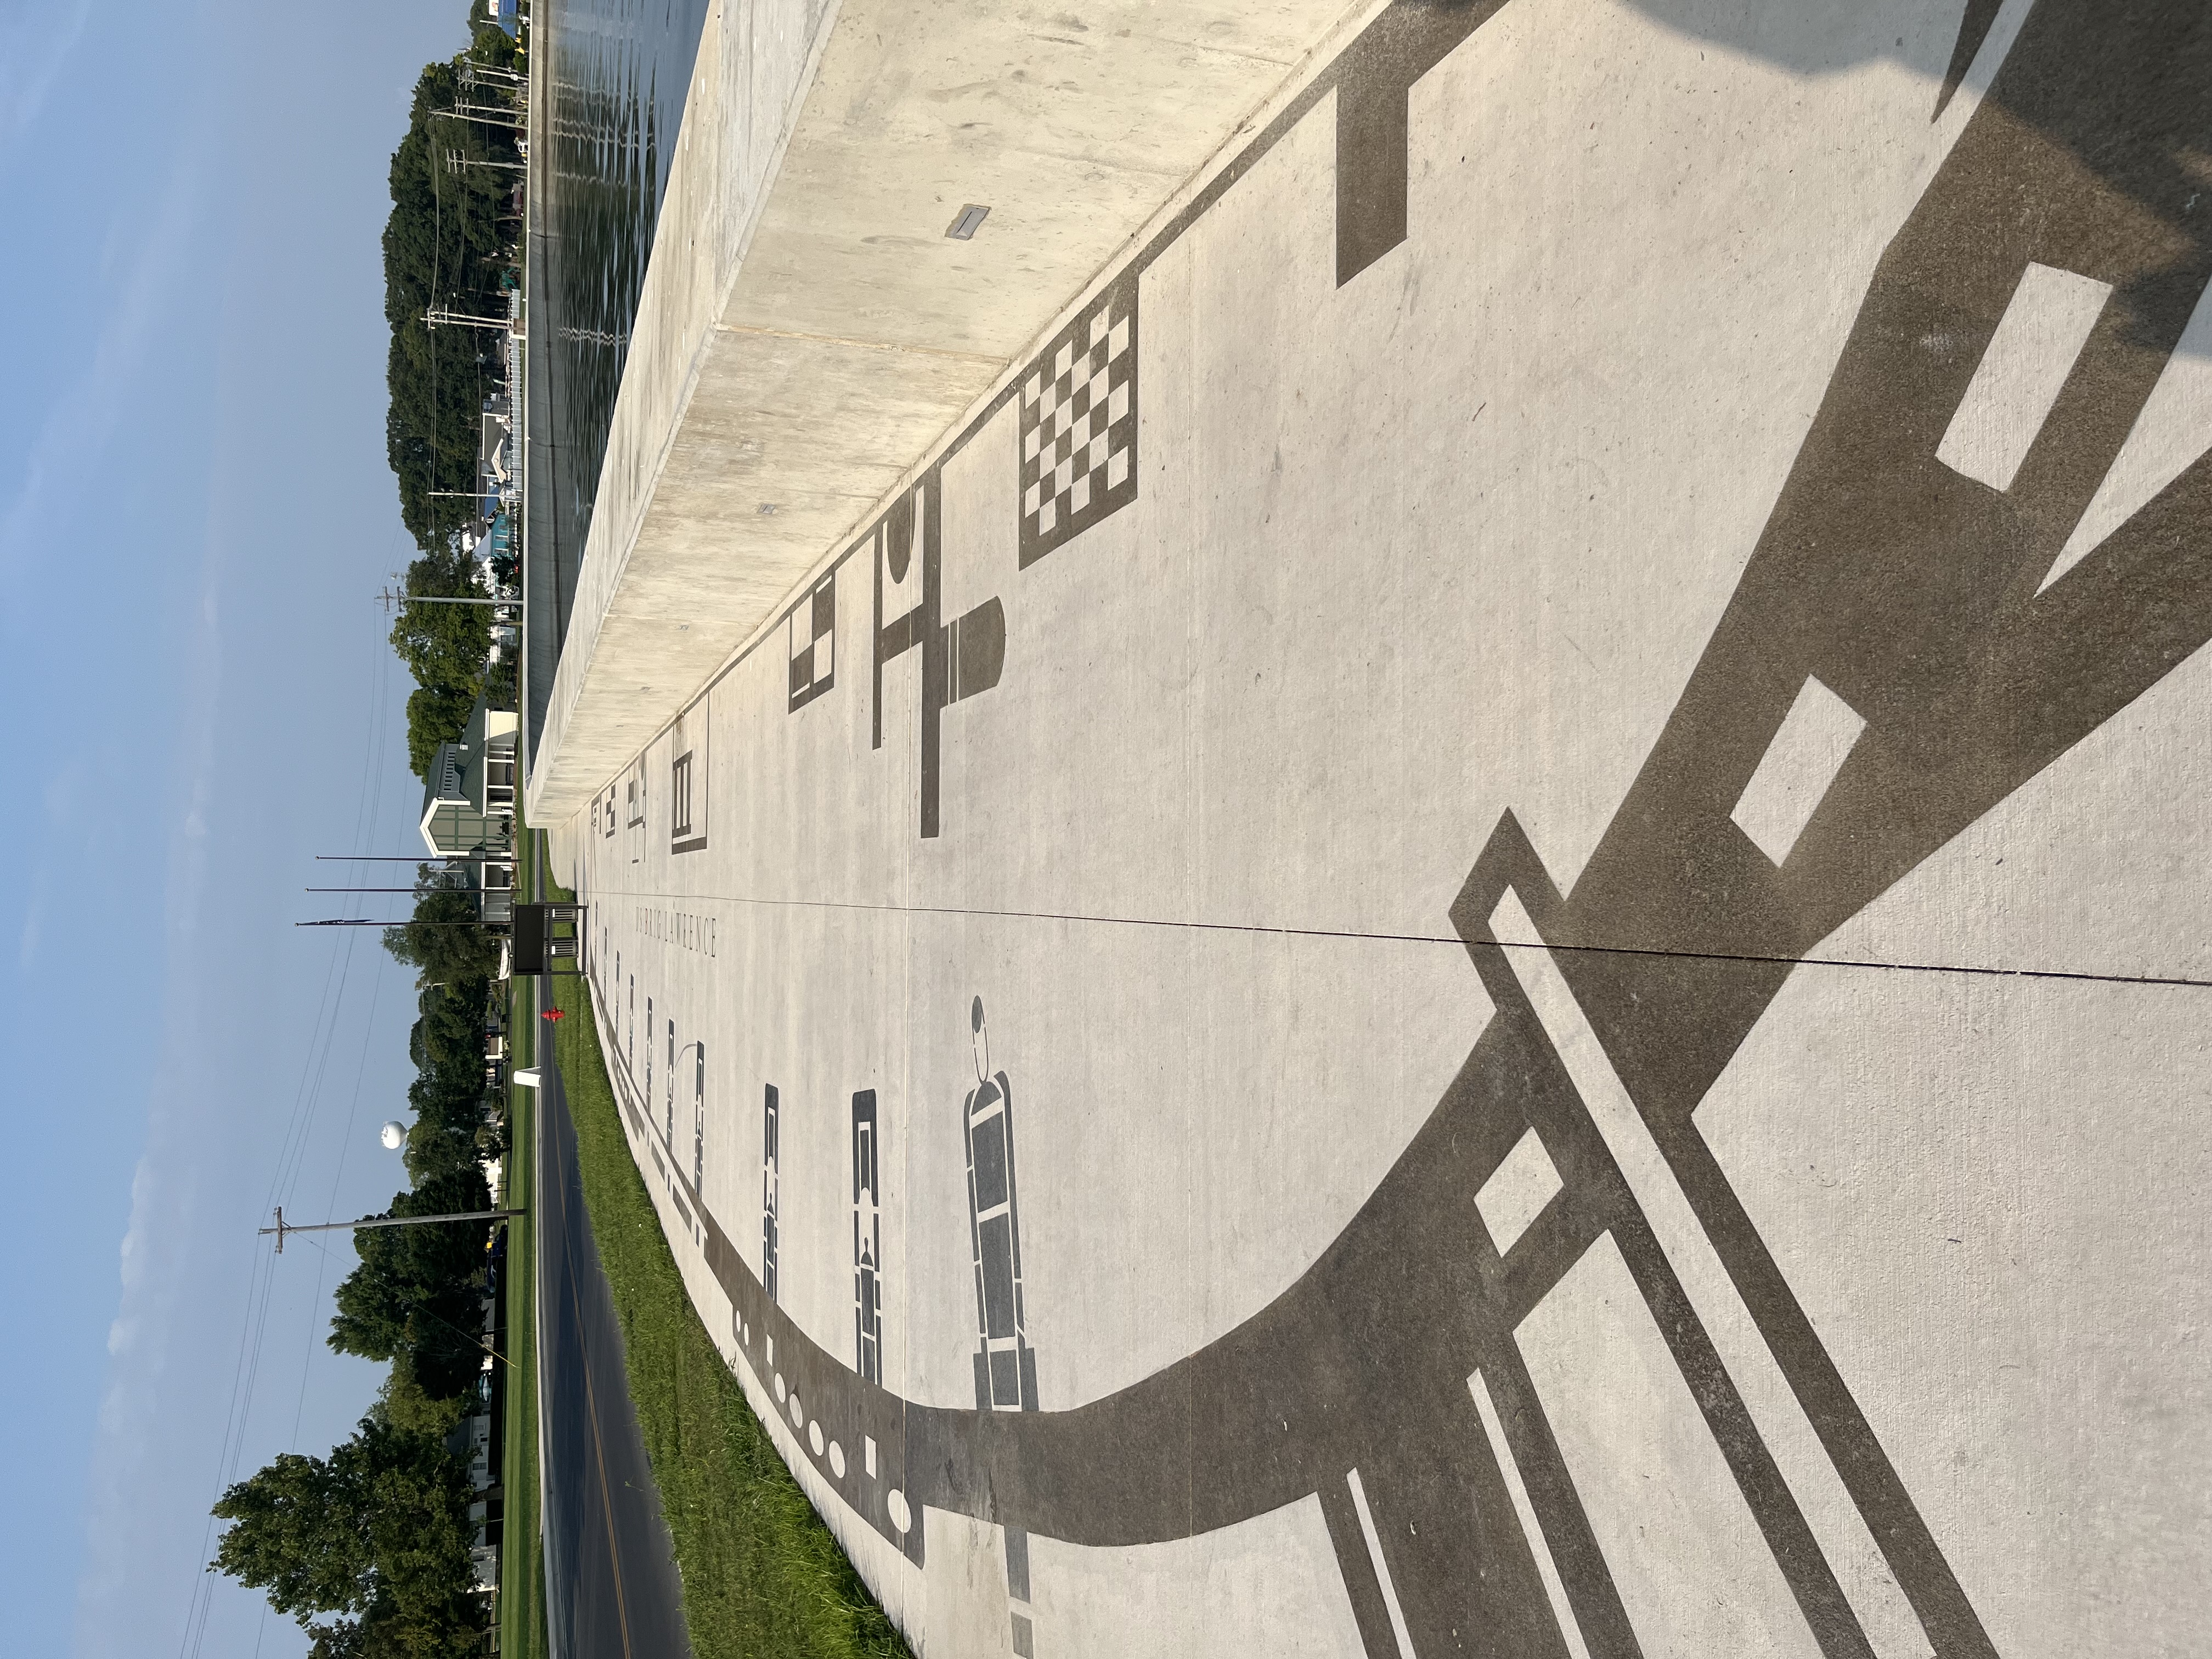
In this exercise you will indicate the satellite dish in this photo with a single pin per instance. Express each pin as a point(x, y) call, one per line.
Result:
point(395, 1135)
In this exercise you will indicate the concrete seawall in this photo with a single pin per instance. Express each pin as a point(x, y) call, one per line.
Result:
point(808, 328)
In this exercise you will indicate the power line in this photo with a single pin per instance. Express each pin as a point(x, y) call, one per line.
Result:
point(261, 1282)
point(371, 804)
point(1776, 959)
point(323, 1031)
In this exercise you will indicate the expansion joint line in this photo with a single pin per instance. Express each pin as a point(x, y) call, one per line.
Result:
point(1967, 968)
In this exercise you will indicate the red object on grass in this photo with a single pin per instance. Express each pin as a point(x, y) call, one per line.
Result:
point(550, 1013)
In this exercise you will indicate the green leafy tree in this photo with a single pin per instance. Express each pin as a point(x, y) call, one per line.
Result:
point(298, 1530)
point(444, 1140)
point(448, 245)
point(402, 1403)
point(373, 1540)
point(436, 714)
point(443, 940)
point(502, 684)
point(416, 1295)
point(451, 1029)
point(444, 646)
point(456, 1119)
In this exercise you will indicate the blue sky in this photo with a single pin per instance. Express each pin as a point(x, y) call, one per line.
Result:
point(194, 519)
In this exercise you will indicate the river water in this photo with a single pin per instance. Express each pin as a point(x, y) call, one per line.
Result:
point(611, 79)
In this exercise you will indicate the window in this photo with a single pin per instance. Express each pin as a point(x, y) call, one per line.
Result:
point(637, 812)
point(687, 782)
point(679, 798)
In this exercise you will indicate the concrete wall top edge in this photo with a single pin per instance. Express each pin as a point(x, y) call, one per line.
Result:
point(808, 331)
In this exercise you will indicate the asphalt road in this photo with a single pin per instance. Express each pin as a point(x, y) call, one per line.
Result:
point(612, 1587)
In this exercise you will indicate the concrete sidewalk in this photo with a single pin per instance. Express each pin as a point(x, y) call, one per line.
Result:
point(809, 323)
point(1482, 928)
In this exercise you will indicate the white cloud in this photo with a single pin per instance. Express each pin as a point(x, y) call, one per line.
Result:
point(35, 44)
point(68, 454)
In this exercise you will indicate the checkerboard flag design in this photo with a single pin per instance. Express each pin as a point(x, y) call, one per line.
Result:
point(1078, 425)
point(814, 628)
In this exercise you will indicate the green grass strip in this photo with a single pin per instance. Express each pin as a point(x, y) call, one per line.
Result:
point(763, 1579)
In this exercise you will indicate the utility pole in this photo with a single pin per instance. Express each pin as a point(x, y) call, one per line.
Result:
point(283, 1226)
point(455, 162)
point(388, 598)
point(490, 114)
point(399, 922)
point(437, 314)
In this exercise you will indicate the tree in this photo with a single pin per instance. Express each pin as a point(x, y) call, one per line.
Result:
point(298, 1530)
point(416, 1295)
point(451, 1029)
point(445, 245)
point(444, 1140)
point(376, 1535)
point(444, 646)
point(402, 1403)
point(441, 940)
point(436, 714)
